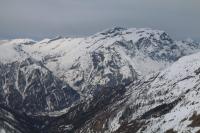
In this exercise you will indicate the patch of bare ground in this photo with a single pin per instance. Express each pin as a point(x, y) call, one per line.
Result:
point(171, 131)
point(195, 120)
point(131, 127)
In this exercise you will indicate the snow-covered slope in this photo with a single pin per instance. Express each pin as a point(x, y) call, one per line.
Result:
point(164, 101)
point(10, 50)
point(180, 81)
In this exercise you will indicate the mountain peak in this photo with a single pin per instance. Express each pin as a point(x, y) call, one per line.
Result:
point(23, 41)
point(112, 30)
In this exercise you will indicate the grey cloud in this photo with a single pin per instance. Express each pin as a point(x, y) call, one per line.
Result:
point(47, 18)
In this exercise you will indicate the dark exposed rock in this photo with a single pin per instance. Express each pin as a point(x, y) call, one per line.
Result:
point(197, 72)
point(171, 131)
point(31, 88)
point(160, 110)
point(131, 127)
point(195, 120)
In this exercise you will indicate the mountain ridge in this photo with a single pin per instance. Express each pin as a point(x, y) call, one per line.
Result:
point(116, 80)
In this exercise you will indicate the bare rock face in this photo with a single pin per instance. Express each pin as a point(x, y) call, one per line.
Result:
point(30, 87)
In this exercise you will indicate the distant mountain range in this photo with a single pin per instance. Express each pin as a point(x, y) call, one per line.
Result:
point(116, 81)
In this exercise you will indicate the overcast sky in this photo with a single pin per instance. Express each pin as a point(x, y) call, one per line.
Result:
point(39, 19)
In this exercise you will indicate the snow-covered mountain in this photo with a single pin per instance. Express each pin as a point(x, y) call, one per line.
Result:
point(118, 80)
point(161, 102)
point(91, 61)
point(30, 87)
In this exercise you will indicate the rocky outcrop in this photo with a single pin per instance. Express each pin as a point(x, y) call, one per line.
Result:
point(29, 87)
